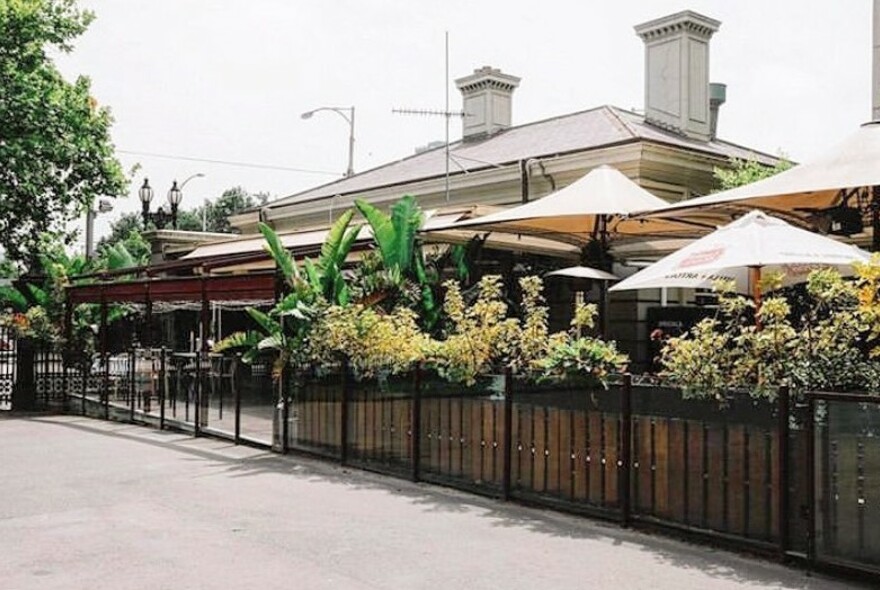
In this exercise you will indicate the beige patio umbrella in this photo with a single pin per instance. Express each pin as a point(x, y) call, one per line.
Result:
point(834, 193)
point(594, 208)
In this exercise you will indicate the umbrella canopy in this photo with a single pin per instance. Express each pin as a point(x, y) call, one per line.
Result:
point(755, 241)
point(800, 192)
point(583, 272)
point(596, 206)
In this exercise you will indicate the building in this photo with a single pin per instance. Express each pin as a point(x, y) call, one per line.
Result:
point(670, 149)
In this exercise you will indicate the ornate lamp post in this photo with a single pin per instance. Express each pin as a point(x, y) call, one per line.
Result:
point(160, 218)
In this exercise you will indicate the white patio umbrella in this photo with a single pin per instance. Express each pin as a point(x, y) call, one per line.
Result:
point(741, 250)
point(583, 272)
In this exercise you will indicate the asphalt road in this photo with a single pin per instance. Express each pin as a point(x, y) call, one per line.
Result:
point(86, 504)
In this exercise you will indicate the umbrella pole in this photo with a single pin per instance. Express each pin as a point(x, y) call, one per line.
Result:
point(603, 309)
point(755, 284)
point(875, 218)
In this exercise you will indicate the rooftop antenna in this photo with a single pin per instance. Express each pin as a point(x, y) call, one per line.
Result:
point(438, 113)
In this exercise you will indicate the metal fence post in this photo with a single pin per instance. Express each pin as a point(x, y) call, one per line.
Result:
point(65, 351)
point(625, 464)
point(416, 423)
point(197, 429)
point(782, 516)
point(86, 374)
point(811, 479)
point(105, 377)
point(162, 378)
point(508, 437)
point(131, 385)
point(285, 411)
point(237, 402)
point(343, 415)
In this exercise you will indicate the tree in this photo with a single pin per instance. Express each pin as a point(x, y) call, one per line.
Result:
point(55, 146)
point(120, 229)
point(747, 171)
point(232, 201)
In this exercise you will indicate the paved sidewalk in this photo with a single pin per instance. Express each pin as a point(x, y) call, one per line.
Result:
point(92, 504)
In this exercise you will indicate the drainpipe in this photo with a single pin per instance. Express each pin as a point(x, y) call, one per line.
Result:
point(524, 179)
point(526, 174)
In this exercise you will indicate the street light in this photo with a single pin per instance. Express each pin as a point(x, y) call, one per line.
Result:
point(341, 111)
point(175, 195)
point(104, 206)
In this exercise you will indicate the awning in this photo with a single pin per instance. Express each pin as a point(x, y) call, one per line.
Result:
point(797, 193)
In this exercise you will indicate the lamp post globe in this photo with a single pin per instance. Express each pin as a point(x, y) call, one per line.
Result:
point(175, 195)
point(145, 192)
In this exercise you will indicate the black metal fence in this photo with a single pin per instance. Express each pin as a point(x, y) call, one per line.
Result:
point(845, 445)
point(194, 392)
point(8, 360)
point(799, 478)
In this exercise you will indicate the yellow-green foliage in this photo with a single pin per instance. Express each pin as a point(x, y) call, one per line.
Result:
point(822, 347)
point(868, 294)
point(483, 340)
point(480, 338)
point(373, 342)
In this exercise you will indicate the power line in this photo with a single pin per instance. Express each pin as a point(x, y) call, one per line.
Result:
point(229, 163)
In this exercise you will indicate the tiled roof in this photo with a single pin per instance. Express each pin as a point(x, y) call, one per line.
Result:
point(585, 130)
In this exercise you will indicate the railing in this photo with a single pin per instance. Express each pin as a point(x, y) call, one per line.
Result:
point(641, 455)
point(845, 442)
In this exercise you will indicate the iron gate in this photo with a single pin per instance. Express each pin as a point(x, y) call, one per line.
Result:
point(7, 367)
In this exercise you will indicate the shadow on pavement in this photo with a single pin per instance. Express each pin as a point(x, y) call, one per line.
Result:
point(242, 461)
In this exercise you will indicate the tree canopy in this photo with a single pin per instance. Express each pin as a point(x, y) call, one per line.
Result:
point(233, 200)
point(56, 155)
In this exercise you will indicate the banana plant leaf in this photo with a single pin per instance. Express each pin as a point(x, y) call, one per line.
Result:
point(14, 298)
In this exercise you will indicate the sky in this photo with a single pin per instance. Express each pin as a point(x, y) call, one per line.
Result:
point(227, 80)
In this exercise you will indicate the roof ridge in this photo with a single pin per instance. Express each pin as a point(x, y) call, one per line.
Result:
point(615, 114)
point(456, 144)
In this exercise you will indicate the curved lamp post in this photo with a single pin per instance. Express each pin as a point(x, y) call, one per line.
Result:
point(349, 118)
point(175, 195)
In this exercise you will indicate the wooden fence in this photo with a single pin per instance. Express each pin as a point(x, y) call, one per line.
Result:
point(799, 478)
point(626, 453)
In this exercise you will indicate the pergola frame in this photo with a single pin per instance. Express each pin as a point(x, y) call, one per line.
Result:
point(261, 285)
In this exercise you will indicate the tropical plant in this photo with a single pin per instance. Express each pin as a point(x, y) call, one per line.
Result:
point(406, 276)
point(285, 331)
point(38, 307)
point(479, 339)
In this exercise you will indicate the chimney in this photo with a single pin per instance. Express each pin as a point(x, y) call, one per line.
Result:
point(717, 97)
point(875, 82)
point(677, 72)
point(486, 102)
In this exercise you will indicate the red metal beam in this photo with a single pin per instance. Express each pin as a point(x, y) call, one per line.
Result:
point(217, 288)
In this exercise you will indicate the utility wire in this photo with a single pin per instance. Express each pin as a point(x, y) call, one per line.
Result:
point(229, 163)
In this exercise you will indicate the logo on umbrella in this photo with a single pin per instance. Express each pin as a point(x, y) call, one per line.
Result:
point(701, 258)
